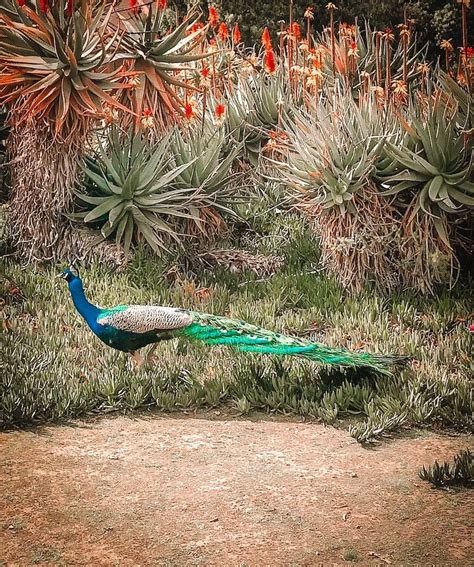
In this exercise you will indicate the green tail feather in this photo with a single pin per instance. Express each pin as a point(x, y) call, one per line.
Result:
point(214, 330)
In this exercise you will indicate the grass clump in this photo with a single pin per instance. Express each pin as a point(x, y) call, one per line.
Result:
point(460, 472)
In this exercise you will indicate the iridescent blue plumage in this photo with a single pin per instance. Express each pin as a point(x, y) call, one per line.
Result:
point(120, 339)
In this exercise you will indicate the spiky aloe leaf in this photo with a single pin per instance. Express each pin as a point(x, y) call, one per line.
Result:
point(210, 172)
point(332, 151)
point(130, 187)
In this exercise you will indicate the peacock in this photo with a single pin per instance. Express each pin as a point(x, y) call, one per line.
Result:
point(129, 328)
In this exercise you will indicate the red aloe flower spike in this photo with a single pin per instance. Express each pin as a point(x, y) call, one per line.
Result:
point(69, 7)
point(222, 32)
point(266, 39)
point(213, 17)
point(21, 3)
point(296, 31)
point(236, 34)
point(161, 4)
point(43, 5)
point(134, 6)
point(188, 111)
point(220, 111)
point(269, 61)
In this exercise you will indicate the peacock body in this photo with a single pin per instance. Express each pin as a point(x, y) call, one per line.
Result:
point(131, 327)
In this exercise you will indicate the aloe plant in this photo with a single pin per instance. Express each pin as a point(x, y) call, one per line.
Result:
point(128, 186)
point(333, 152)
point(56, 82)
point(53, 62)
point(330, 169)
point(160, 61)
point(254, 108)
point(436, 171)
point(210, 172)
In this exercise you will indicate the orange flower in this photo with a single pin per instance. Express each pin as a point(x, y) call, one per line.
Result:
point(188, 111)
point(219, 111)
point(222, 32)
point(205, 72)
point(194, 28)
point(269, 61)
point(161, 4)
point(43, 5)
point(213, 16)
point(21, 2)
point(69, 7)
point(266, 39)
point(236, 34)
point(296, 31)
point(469, 52)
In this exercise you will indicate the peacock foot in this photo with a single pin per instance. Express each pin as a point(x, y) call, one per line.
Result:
point(137, 360)
point(150, 357)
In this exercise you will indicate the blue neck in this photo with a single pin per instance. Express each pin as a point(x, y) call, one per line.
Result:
point(85, 308)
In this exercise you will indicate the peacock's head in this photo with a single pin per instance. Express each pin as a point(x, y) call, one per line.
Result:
point(69, 274)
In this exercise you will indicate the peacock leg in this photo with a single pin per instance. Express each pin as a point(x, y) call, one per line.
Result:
point(137, 360)
point(150, 357)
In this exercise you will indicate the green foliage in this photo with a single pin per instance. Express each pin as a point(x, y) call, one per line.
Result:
point(53, 65)
point(128, 184)
point(438, 168)
point(436, 20)
point(209, 171)
point(333, 151)
point(460, 472)
point(159, 57)
point(137, 191)
point(254, 108)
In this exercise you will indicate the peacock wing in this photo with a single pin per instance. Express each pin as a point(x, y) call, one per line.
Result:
point(145, 318)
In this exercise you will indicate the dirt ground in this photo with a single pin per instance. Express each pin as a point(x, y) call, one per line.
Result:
point(214, 490)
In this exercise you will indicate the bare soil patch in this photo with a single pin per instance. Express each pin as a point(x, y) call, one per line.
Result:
point(219, 491)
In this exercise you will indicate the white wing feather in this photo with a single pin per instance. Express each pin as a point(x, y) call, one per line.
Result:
point(146, 318)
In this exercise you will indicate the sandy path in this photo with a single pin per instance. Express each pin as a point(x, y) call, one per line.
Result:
point(187, 490)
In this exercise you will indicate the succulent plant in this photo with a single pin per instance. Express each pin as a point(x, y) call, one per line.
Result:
point(128, 185)
point(210, 174)
point(437, 170)
point(254, 108)
point(53, 62)
point(333, 151)
point(160, 61)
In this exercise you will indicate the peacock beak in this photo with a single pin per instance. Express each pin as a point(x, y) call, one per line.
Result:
point(62, 275)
